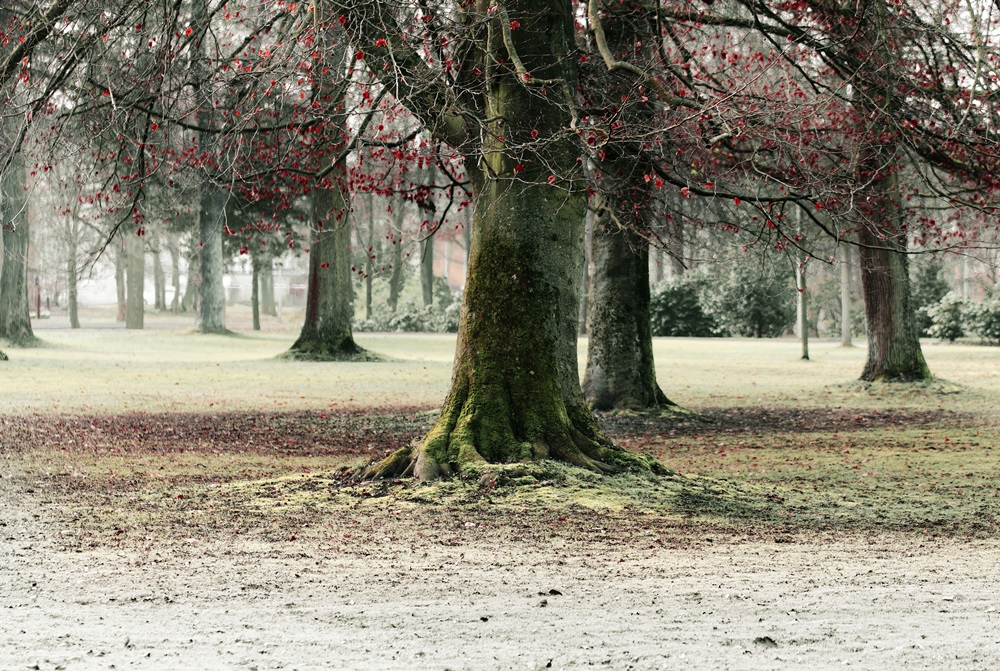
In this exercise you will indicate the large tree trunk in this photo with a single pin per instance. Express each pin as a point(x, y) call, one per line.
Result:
point(212, 198)
point(136, 275)
point(211, 291)
point(584, 311)
point(620, 372)
point(326, 333)
point(15, 310)
point(893, 345)
point(515, 392)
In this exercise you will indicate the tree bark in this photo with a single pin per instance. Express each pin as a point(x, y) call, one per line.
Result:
point(15, 310)
point(211, 291)
point(846, 335)
point(255, 294)
point(326, 333)
point(72, 279)
point(893, 346)
point(620, 372)
point(427, 270)
point(135, 279)
point(801, 313)
point(121, 255)
point(515, 392)
point(268, 305)
point(212, 198)
point(396, 277)
point(588, 236)
point(369, 261)
point(159, 282)
point(175, 275)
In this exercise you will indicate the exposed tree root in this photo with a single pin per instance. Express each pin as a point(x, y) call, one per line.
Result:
point(345, 350)
point(453, 447)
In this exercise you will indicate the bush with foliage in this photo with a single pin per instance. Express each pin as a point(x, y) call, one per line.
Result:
point(411, 318)
point(983, 319)
point(948, 317)
point(675, 310)
point(751, 298)
point(928, 287)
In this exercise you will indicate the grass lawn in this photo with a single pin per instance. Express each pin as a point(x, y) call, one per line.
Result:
point(156, 428)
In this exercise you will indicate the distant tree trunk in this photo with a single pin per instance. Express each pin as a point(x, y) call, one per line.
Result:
point(159, 282)
point(190, 300)
point(175, 275)
point(268, 305)
point(212, 201)
point(15, 311)
point(675, 239)
point(588, 236)
point(893, 345)
point(620, 372)
point(136, 275)
point(846, 336)
point(211, 291)
point(326, 333)
point(801, 314)
point(427, 270)
point(121, 255)
point(72, 278)
point(369, 262)
point(255, 294)
point(396, 277)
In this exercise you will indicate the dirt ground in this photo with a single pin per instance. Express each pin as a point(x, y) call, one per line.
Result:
point(473, 595)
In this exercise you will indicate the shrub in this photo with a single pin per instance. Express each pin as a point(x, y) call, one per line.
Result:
point(927, 288)
point(751, 299)
point(983, 319)
point(948, 317)
point(411, 318)
point(675, 310)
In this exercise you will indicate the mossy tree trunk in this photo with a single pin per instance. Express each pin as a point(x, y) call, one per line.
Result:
point(15, 310)
point(620, 372)
point(211, 197)
point(326, 333)
point(515, 392)
point(894, 352)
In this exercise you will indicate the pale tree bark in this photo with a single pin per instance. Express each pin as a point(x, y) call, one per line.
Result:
point(159, 281)
point(72, 280)
point(175, 273)
point(121, 256)
point(584, 311)
point(846, 289)
point(396, 276)
point(268, 305)
point(15, 310)
point(135, 280)
point(255, 294)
